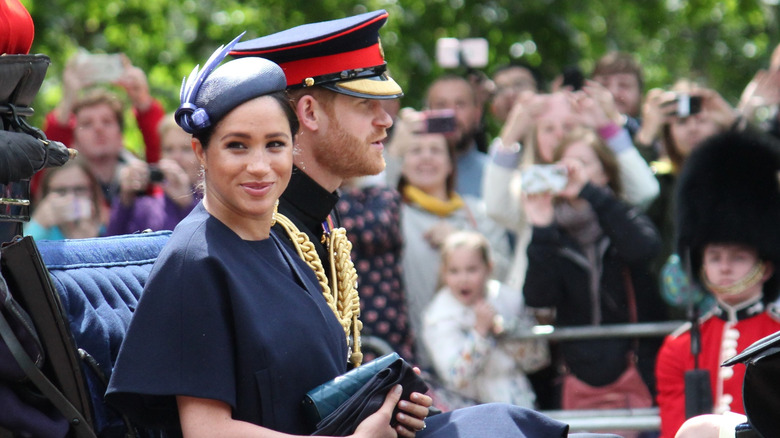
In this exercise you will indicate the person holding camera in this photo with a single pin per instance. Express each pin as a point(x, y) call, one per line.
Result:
point(157, 196)
point(455, 93)
point(681, 118)
point(534, 128)
point(90, 117)
point(588, 259)
point(70, 204)
point(432, 210)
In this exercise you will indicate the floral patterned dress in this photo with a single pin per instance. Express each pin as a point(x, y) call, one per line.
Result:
point(371, 218)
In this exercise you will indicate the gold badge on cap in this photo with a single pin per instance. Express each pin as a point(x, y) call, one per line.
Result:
point(381, 50)
point(308, 82)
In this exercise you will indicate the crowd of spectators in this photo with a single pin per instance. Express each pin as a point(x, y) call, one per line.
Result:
point(597, 250)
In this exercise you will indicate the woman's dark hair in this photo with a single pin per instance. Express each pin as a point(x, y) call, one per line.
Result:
point(204, 136)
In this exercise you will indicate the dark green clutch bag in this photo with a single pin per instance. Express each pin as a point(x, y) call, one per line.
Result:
point(324, 399)
point(338, 406)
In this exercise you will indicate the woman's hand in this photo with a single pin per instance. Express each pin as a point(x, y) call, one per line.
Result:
point(538, 208)
point(436, 234)
point(576, 179)
point(763, 90)
point(176, 183)
point(56, 210)
point(73, 81)
point(133, 80)
point(657, 109)
point(485, 317)
point(133, 179)
point(520, 119)
point(598, 106)
point(378, 424)
point(411, 419)
point(716, 108)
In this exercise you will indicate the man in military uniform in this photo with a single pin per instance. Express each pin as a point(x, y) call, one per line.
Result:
point(336, 76)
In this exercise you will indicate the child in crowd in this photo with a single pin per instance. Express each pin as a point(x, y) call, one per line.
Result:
point(464, 324)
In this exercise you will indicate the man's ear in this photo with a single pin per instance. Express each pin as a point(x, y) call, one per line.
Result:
point(309, 112)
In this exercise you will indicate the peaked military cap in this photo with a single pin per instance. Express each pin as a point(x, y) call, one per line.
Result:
point(343, 55)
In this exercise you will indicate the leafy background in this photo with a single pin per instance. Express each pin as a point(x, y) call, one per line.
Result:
point(721, 43)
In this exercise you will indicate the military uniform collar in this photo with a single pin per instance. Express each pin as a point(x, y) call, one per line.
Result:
point(739, 312)
point(308, 201)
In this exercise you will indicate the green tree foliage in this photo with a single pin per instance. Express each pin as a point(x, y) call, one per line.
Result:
point(721, 43)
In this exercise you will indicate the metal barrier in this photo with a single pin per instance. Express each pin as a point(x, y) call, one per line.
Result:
point(646, 419)
point(609, 419)
point(643, 329)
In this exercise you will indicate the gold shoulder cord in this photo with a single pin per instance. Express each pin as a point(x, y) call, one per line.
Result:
point(343, 279)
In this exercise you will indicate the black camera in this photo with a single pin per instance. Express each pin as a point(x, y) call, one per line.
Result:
point(439, 121)
point(155, 174)
point(688, 105)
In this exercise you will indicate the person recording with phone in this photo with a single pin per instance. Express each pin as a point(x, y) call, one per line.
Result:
point(457, 94)
point(90, 116)
point(534, 128)
point(432, 209)
point(70, 205)
point(588, 258)
point(157, 196)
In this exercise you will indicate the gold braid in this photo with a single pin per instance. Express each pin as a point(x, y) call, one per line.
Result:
point(345, 304)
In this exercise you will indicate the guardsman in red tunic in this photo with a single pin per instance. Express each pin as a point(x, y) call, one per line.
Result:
point(728, 211)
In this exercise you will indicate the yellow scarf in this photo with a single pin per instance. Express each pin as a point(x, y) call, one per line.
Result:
point(432, 204)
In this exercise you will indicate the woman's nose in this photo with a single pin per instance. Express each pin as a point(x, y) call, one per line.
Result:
point(258, 163)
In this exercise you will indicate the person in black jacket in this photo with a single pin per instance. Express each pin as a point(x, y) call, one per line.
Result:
point(589, 258)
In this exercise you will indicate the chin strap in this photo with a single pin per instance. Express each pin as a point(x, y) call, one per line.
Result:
point(749, 280)
point(340, 291)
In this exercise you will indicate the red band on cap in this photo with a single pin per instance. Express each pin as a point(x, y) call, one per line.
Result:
point(309, 43)
point(297, 71)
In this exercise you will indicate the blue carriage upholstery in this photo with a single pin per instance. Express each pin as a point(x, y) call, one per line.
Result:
point(99, 282)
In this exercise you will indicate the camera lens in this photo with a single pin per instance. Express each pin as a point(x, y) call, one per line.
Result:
point(156, 175)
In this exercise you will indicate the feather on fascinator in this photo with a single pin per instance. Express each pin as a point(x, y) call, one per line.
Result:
point(208, 94)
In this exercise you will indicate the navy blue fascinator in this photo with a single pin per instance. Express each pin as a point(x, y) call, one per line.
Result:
point(208, 94)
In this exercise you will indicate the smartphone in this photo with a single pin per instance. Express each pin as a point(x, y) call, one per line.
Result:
point(688, 105)
point(448, 52)
point(474, 52)
point(437, 121)
point(543, 178)
point(573, 77)
point(81, 209)
point(468, 52)
point(101, 68)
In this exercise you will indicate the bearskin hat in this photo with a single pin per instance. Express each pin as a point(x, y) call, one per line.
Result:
point(729, 192)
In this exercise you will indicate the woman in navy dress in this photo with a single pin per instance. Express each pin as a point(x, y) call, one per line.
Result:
point(232, 329)
point(232, 321)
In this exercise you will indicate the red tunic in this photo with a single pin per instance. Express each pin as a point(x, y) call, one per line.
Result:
point(723, 334)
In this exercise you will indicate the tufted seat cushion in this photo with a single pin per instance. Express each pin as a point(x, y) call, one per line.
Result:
point(99, 282)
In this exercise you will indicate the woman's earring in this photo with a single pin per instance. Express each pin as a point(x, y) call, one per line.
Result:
point(276, 210)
